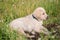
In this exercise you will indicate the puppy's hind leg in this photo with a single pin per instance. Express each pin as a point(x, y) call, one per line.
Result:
point(21, 32)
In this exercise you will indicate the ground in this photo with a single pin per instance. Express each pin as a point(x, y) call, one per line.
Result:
point(12, 9)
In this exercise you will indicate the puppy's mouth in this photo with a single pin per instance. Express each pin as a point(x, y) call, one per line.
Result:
point(47, 18)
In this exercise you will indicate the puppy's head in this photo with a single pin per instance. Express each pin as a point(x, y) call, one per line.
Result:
point(40, 13)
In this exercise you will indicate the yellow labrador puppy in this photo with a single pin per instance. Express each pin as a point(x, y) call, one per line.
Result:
point(31, 23)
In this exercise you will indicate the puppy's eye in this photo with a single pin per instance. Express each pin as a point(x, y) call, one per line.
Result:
point(43, 13)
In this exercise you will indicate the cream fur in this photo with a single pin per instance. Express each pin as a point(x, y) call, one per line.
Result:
point(30, 24)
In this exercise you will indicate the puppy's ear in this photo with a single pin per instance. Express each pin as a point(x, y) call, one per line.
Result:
point(37, 13)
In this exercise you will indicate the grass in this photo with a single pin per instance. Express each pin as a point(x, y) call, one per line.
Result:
point(12, 9)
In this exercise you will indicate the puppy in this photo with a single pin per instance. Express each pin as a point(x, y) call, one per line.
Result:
point(31, 23)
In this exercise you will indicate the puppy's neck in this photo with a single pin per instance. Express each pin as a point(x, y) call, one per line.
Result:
point(34, 17)
point(40, 21)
